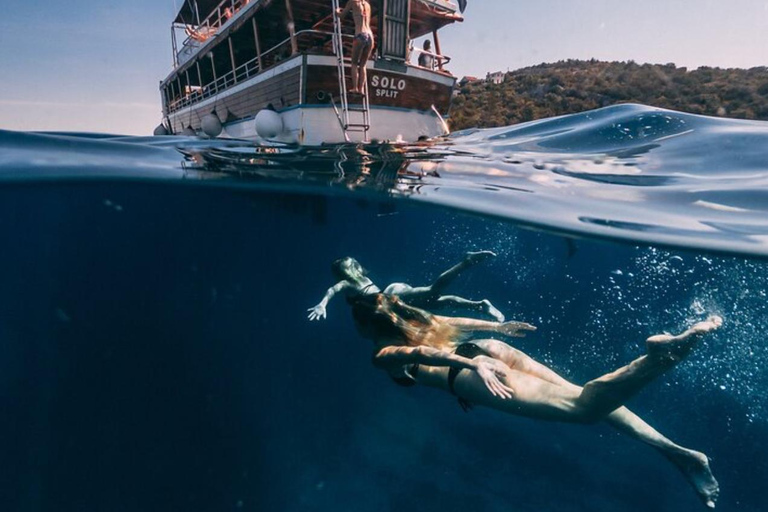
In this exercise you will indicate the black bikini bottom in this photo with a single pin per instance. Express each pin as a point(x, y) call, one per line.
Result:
point(470, 351)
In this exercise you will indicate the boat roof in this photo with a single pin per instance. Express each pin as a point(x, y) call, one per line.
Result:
point(426, 15)
point(188, 15)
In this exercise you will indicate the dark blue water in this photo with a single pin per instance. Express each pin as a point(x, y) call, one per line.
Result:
point(155, 352)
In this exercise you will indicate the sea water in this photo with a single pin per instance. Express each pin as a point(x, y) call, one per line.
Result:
point(155, 352)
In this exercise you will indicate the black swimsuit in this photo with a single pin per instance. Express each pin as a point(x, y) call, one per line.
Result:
point(470, 351)
point(371, 323)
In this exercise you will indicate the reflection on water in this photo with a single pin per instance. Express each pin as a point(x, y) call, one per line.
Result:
point(627, 172)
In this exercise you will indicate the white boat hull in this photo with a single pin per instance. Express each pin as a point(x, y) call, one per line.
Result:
point(406, 104)
point(320, 125)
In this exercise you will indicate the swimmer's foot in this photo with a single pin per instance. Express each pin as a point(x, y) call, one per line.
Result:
point(490, 310)
point(678, 347)
point(695, 467)
point(479, 256)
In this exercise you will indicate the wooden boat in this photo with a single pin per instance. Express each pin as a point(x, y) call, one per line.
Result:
point(275, 70)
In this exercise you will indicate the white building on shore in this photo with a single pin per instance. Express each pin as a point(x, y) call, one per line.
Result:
point(495, 78)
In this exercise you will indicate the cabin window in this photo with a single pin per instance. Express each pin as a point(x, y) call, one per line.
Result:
point(183, 84)
point(222, 65)
point(166, 103)
point(194, 87)
point(206, 70)
point(273, 31)
point(244, 46)
point(176, 90)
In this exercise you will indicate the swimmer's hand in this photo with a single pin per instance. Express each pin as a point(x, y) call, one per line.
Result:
point(316, 313)
point(515, 329)
point(491, 371)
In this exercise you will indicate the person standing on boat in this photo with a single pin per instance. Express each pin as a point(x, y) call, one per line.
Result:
point(362, 46)
point(426, 60)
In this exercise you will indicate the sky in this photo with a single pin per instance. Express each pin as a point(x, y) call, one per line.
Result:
point(95, 66)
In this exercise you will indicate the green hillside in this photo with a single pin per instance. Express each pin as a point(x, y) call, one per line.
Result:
point(572, 86)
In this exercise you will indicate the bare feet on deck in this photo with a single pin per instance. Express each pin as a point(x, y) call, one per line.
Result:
point(678, 347)
point(695, 467)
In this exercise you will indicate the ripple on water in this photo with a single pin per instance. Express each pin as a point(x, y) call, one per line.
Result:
point(627, 172)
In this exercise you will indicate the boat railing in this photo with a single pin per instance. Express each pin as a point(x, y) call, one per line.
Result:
point(440, 60)
point(196, 35)
point(242, 72)
point(264, 61)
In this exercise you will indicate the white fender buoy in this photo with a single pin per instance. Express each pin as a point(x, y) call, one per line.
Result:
point(211, 125)
point(269, 124)
point(160, 130)
point(189, 132)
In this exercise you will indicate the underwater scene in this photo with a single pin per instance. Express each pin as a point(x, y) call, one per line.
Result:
point(157, 350)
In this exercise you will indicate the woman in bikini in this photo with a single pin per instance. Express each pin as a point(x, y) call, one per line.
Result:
point(362, 46)
point(416, 347)
point(353, 280)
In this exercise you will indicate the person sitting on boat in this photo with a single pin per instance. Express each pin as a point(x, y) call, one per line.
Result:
point(415, 346)
point(199, 34)
point(354, 281)
point(426, 60)
point(362, 45)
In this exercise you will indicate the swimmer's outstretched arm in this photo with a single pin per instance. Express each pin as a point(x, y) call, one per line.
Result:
point(490, 370)
point(512, 329)
point(318, 312)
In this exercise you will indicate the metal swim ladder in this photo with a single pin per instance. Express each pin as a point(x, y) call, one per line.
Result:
point(363, 109)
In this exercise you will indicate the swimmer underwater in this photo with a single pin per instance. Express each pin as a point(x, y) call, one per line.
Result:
point(415, 346)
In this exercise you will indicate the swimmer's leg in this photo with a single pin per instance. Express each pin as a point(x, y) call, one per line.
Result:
point(362, 60)
point(447, 277)
point(420, 296)
point(357, 50)
point(520, 361)
point(694, 465)
point(427, 296)
point(605, 394)
point(482, 306)
point(399, 289)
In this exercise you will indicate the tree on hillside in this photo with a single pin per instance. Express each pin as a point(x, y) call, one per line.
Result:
point(571, 86)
